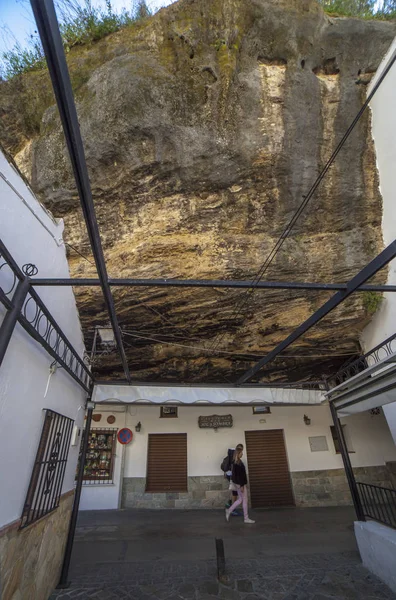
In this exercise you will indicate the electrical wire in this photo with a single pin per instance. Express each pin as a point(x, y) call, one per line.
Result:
point(306, 199)
point(169, 335)
point(141, 337)
point(139, 332)
point(160, 315)
point(200, 348)
point(179, 330)
point(78, 252)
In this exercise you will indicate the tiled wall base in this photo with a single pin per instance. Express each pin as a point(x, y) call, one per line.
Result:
point(203, 492)
point(311, 488)
point(330, 488)
point(31, 558)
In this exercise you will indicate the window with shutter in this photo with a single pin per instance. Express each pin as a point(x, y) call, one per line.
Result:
point(167, 462)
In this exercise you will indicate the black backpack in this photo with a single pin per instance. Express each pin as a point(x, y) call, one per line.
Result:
point(226, 464)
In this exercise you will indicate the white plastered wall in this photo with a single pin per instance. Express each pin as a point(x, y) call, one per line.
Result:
point(31, 235)
point(383, 105)
point(369, 436)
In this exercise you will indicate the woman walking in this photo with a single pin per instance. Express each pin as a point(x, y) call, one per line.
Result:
point(239, 483)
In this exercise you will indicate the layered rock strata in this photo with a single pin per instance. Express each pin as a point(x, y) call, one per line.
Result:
point(204, 127)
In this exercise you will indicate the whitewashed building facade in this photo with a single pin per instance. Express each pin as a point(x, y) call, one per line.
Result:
point(300, 464)
point(31, 557)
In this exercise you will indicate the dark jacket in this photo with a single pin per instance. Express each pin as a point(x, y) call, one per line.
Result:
point(239, 474)
point(230, 455)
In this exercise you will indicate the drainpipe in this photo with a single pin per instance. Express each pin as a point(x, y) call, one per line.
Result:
point(123, 451)
point(63, 581)
point(347, 464)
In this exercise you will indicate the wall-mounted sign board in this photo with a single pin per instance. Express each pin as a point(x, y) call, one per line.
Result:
point(215, 421)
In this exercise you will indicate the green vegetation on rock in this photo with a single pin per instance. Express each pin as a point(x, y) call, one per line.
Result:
point(83, 25)
point(364, 9)
point(79, 25)
point(372, 301)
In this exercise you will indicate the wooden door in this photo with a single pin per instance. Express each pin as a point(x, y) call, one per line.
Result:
point(269, 476)
point(167, 462)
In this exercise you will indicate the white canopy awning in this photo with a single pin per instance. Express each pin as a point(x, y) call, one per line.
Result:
point(154, 394)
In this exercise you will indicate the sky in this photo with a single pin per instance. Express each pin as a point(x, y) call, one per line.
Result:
point(17, 22)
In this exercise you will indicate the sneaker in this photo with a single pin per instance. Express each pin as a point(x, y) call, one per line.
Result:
point(249, 521)
point(227, 515)
point(235, 513)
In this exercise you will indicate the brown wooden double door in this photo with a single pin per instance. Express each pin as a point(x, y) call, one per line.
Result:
point(269, 477)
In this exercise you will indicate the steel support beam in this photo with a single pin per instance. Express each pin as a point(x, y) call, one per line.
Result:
point(347, 464)
point(12, 316)
point(63, 581)
point(369, 271)
point(47, 25)
point(209, 283)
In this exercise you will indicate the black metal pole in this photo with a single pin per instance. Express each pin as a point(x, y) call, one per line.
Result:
point(209, 283)
point(47, 25)
point(11, 317)
point(347, 465)
point(63, 581)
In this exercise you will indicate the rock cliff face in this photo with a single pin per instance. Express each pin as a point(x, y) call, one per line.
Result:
point(204, 126)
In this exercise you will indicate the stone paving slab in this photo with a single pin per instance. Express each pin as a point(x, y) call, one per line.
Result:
point(315, 577)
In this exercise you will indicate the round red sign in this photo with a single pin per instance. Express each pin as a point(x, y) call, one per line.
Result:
point(125, 436)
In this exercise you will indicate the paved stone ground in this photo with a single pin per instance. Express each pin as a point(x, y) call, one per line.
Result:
point(109, 562)
point(323, 577)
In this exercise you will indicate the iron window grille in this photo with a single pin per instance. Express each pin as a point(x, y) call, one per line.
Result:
point(100, 456)
point(46, 482)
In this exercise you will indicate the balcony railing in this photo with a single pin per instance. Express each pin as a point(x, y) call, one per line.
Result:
point(374, 356)
point(37, 320)
point(378, 503)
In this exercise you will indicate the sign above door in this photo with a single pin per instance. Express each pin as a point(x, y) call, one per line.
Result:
point(215, 421)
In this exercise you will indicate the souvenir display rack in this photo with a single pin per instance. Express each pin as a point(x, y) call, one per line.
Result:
point(99, 463)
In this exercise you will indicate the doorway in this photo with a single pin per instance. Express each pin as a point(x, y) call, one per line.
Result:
point(269, 476)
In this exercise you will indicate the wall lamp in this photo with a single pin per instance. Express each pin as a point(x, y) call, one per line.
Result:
point(138, 427)
point(307, 420)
